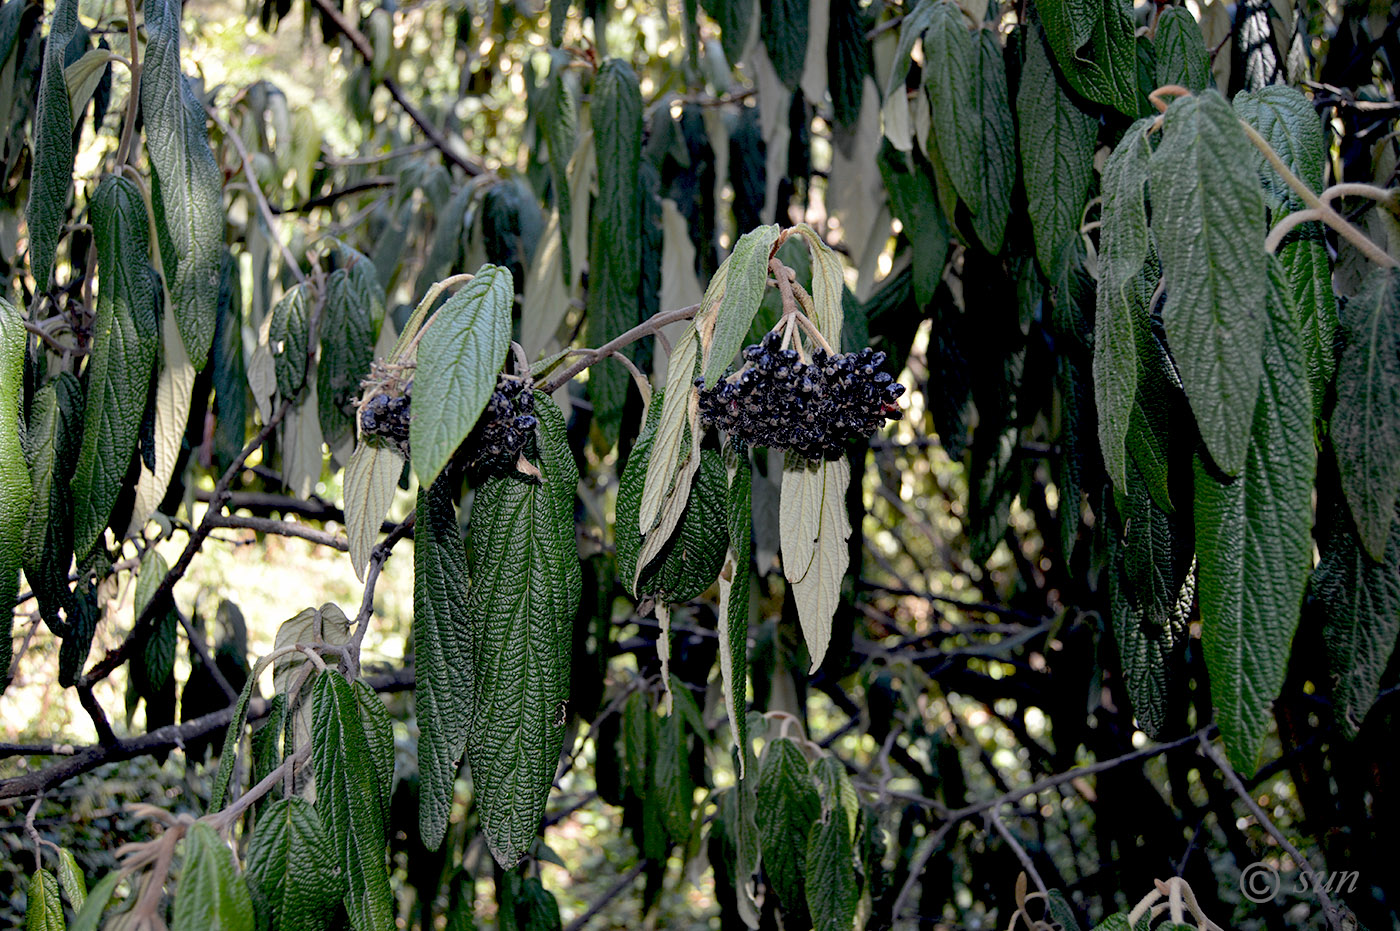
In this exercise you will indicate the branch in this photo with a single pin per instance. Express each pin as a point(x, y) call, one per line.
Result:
point(612, 892)
point(649, 327)
point(366, 50)
point(331, 197)
point(281, 528)
point(377, 557)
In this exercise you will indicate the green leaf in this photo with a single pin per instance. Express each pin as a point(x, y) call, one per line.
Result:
point(346, 800)
point(526, 586)
point(288, 336)
point(89, 916)
point(1366, 420)
point(1057, 153)
point(848, 60)
point(1360, 601)
point(82, 78)
point(71, 880)
point(353, 300)
point(671, 783)
point(1309, 270)
point(44, 911)
point(379, 734)
point(614, 254)
point(443, 689)
point(186, 182)
point(814, 527)
point(526, 905)
point(1093, 42)
point(233, 736)
point(230, 370)
point(292, 866)
point(833, 884)
point(914, 202)
point(735, 19)
point(158, 649)
point(783, 25)
point(788, 807)
point(1287, 121)
point(1061, 912)
point(1254, 543)
point(743, 292)
point(16, 490)
point(1157, 399)
point(52, 180)
point(733, 607)
point(370, 479)
point(51, 442)
point(210, 895)
point(691, 559)
point(124, 339)
point(559, 126)
point(463, 348)
point(1152, 640)
point(1182, 57)
point(1208, 223)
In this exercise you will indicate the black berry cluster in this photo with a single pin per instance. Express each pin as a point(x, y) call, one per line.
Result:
point(386, 416)
point(505, 427)
point(811, 408)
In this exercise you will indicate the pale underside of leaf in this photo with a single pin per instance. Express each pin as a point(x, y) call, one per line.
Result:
point(174, 389)
point(814, 530)
point(370, 479)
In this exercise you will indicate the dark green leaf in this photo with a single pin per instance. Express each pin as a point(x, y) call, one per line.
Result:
point(1057, 153)
point(526, 905)
point(210, 893)
point(1309, 272)
point(1182, 58)
point(346, 800)
point(614, 254)
point(1254, 544)
point(124, 340)
point(291, 864)
point(735, 19)
point(1094, 45)
point(1152, 640)
point(847, 60)
point(783, 24)
point(1208, 223)
point(559, 126)
point(43, 911)
point(89, 916)
point(288, 334)
point(233, 736)
point(914, 202)
point(526, 585)
point(734, 600)
point(51, 442)
point(833, 885)
point(460, 354)
point(354, 300)
point(379, 735)
point(671, 781)
point(743, 292)
point(16, 490)
point(788, 807)
point(230, 369)
point(52, 179)
point(443, 693)
point(186, 182)
point(1366, 420)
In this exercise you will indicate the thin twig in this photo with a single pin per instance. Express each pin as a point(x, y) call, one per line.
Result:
point(612, 892)
point(225, 818)
point(994, 819)
point(133, 102)
point(591, 356)
point(281, 528)
point(377, 557)
point(201, 649)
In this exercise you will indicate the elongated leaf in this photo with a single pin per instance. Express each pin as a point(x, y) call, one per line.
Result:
point(89, 916)
point(71, 880)
point(16, 491)
point(783, 25)
point(52, 441)
point(292, 865)
point(733, 608)
point(1057, 153)
point(1208, 222)
point(230, 369)
point(828, 285)
point(459, 356)
point(1254, 544)
point(44, 910)
point(1182, 57)
point(914, 202)
point(690, 561)
point(210, 893)
point(124, 340)
point(1366, 420)
point(346, 801)
point(1094, 46)
point(186, 182)
point(614, 255)
point(288, 337)
point(353, 300)
point(559, 126)
point(52, 180)
point(788, 807)
point(735, 19)
point(833, 885)
point(370, 479)
point(233, 737)
point(744, 288)
point(173, 397)
point(84, 76)
point(379, 734)
point(1360, 599)
point(1152, 640)
point(526, 585)
point(444, 685)
point(814, 528)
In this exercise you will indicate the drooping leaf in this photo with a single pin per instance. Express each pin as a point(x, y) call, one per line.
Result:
point(327, 624)
point(346, 801)
point(171, 407)
point(124, 340)
point(1094, 46)
point(293, 867)
point(691, 560)
point(1057, 153)
point(913, 201)
point(788, 807)
point(526, 586)
point(71, 879)
point(1182, 58)
point(230, 370)
point(1366, 420)
point(353, 300)
point(733, 610)
point(186, 182)
point(210, 893)
point(16, 491)
point(288, 337)
point(832, 882)
point(369, 480)
point(783, 25)
point(51, 441)
point(814, 528)
point(1254, 544)
point(1152, 640)
point(559, 125)
point(89, 915)
point(444, 684)
point(614, 254)
point(735, 19)
point(379, 734)
point(461, 352)
point(848, 61)
point(44, 910)
point(52, 179)
point(744, 288)
point(1208, 224)
point(233, 737)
